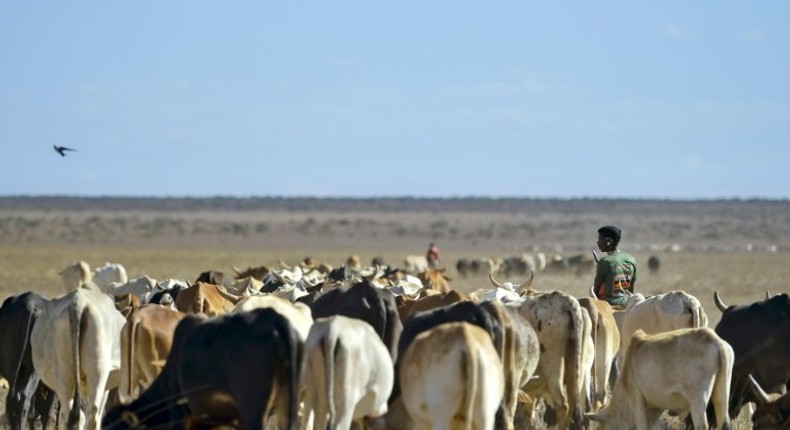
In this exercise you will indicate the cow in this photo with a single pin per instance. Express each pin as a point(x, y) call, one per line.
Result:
point(465, 311)
point(408, 307)
point(606, 338)
point(260, 356)
point(75, 275)
point(18, 315)
point(347, 372)
point(758, 335)
point(474, 266)
point(559, 322)
point(772, 411)
point(368, 303)
point(146, 339)
point(435, 279)
point(519, 351)
point(214, 277)
point(142, 287)
point(664, 312)
point(206, 298)
point(258, 273)
point(109, 273)
point(452, 377)
point(653, 264)
point(503, 291)
point(298, 314)
point(126, 304)
point(416, 263)
point(680, 371)
point(76, 341)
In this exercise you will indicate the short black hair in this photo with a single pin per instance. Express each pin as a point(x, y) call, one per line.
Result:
point(611, 232)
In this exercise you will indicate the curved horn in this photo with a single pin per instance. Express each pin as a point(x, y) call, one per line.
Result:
point(528, 282)
point(719, 303)
point(494, 281)
point(759, 393)
point(284, 266)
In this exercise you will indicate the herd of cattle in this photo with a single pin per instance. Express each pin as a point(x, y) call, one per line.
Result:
point(312, 346)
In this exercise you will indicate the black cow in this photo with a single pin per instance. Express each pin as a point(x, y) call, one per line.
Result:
point(222, 372)
point(366, 302)
point(758, 334)
point(653, 263)
point(25, 390)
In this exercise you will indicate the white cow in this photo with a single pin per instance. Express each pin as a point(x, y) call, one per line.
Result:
point(656, 314)
point(503, 291)
point(142, 287)
point(76, 275)
point(679, 371)
point(109, 273)
point(416, 263)
point(606, 338)
point(562, 330)
point(298, 314)
point(348, 372)
point(76, 349)
point(451, 377)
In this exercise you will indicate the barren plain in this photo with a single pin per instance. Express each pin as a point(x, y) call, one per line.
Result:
point(739, 247)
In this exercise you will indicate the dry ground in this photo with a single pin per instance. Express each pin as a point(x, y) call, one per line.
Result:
point(36, 242)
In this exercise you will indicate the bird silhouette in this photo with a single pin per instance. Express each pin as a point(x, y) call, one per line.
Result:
point(62, 150)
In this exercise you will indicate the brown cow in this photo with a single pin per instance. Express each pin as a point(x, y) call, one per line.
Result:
point(146, 339)
point(435, 279)
point(408, 307)
point(209, 299)
point(258, 273)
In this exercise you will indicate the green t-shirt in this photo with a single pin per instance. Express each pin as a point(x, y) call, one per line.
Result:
point(615, 269)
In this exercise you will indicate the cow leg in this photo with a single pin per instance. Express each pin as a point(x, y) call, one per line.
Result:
point(698, 414)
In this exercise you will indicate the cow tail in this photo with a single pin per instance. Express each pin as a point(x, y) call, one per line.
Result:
point(470, 361)
point(573, 377)
point(330, 349)
point(16, 384)
point(75, 319)
point(720, 396)
point(291, 349)
point(133, 322)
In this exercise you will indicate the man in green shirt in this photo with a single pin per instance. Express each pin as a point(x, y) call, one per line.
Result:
point(615, 275)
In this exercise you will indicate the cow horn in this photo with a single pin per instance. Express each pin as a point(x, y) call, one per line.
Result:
point(528, 282)
point(719, 303)
point(759, 393)
point(767, 294)
point(283, 265)
point(494, 281)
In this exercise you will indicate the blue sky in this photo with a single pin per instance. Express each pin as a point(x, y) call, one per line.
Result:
point(426, 98)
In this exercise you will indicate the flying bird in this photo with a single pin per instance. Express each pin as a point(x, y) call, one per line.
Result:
point(62, 150)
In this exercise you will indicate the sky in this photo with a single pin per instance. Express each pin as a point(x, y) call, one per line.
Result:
point(669, 99)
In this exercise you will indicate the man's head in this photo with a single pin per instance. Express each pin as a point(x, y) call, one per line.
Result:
point(608, 238)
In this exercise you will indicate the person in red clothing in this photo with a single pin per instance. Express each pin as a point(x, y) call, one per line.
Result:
point(433, 255)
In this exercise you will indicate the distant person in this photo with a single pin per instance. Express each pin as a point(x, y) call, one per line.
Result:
point(432, 256)
point(615, 275)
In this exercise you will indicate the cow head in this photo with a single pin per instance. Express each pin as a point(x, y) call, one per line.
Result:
point(772, 411)
point(509, 285)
